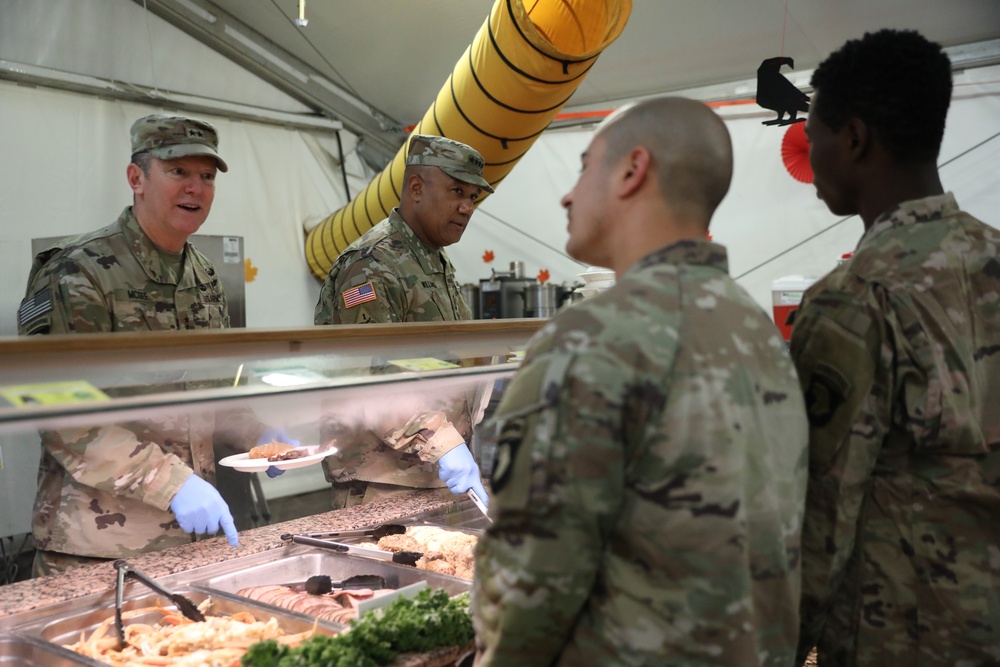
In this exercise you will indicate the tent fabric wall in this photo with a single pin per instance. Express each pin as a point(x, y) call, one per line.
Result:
point(765, 214)
point(65, 174)
point(70, 151)
point(118, 40)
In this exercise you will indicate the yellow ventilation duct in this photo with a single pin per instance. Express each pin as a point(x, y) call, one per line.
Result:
point(521, 68)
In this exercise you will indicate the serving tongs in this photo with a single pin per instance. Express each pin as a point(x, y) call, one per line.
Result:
point(184, 605)
point(402, 557)
point(321, 584)
point(376, 533)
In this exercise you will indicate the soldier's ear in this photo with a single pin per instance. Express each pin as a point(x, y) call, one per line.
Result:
point(634, 168)
point(858, 137)
point(415, 185)
point(135, 178)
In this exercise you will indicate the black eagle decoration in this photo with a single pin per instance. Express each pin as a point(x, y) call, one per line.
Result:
point(777, 93)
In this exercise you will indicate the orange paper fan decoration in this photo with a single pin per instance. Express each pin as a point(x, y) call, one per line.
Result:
point(795, 153)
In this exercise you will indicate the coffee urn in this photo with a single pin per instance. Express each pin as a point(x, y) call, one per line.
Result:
point(542, 300)
point(502, 295)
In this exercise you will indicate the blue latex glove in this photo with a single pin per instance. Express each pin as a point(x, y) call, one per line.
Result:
point(460, 472)
point(278, 435)
point(200, 509)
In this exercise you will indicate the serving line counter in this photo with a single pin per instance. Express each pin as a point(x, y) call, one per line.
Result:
point(37, 594)
point(290, 379)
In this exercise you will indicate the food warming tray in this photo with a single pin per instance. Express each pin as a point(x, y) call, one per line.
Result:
point(68, 627)
point(32, 652)
point(298, 563)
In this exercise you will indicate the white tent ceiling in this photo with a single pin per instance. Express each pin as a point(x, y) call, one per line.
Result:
point(394, 55)
point(377, 65)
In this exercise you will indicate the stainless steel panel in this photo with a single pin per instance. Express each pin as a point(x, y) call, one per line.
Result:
point(298, 563)
point(462, 514)
point(31, 652)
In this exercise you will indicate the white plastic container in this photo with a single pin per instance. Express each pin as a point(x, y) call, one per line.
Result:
point(786, 297)
point(595, 280)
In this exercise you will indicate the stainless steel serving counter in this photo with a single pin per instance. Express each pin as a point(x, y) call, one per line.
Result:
point(40, 617)
point(440, 505)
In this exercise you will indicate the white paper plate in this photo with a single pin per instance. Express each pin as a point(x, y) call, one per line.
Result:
point(244, 463)
point(596, 274)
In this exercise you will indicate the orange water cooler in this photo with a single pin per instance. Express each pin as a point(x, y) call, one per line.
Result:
point(786, 296)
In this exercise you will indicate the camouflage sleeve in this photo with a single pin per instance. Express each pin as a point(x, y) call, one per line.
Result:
point(66, 300)
point(111, 459)
point(429, 435)
point(836, 345)
point(345, 298)
point(237, 430)
point(557, 485)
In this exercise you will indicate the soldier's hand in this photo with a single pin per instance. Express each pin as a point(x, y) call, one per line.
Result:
point(201, 510)
point(458, 469)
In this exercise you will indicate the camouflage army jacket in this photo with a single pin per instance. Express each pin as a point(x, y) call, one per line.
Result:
point(649, 481)
point(105, 491)
point(898, 351)
point(388, 275)
point(114, 279)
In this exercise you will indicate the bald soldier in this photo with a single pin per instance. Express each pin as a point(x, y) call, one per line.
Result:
point(399, 272)
point(651, 463)
point(127, 488)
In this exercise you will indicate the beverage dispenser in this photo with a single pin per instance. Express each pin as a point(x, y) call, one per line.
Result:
point(502, 295)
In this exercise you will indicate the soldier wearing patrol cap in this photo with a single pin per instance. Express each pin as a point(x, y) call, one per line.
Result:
point(399, 272)
point(147, 480)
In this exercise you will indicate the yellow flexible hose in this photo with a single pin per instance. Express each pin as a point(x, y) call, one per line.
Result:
point(521, 68)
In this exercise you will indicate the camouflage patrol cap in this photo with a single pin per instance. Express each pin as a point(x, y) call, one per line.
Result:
point(454, 158)
point(170, 137)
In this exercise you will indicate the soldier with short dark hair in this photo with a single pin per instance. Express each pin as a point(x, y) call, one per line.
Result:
point(399, 271)
point(123, 489)
point(898, 351)
point(650, 470)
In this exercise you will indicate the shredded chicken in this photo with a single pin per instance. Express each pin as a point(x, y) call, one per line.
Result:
point(445, 551)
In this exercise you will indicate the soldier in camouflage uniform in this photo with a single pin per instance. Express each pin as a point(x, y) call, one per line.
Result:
point(106, 492)
point(898, 351)
point(399, 272)
point(651, 464)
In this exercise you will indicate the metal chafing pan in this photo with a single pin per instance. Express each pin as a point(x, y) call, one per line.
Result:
point(67, 626)
point(17, 651)
point(461, 514)
point(298, 563)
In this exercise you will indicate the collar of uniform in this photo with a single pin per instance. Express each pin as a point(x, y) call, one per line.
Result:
point(147, 254)
point(699, 252)
point(431, 261)
point(910, 212)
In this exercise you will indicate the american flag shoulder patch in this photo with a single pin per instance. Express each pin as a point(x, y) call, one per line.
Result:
point(359, 294)
point(37, 305)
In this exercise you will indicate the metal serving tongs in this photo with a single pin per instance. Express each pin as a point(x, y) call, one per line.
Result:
point(376, 533)
point(184, 605)
point(402, 557)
